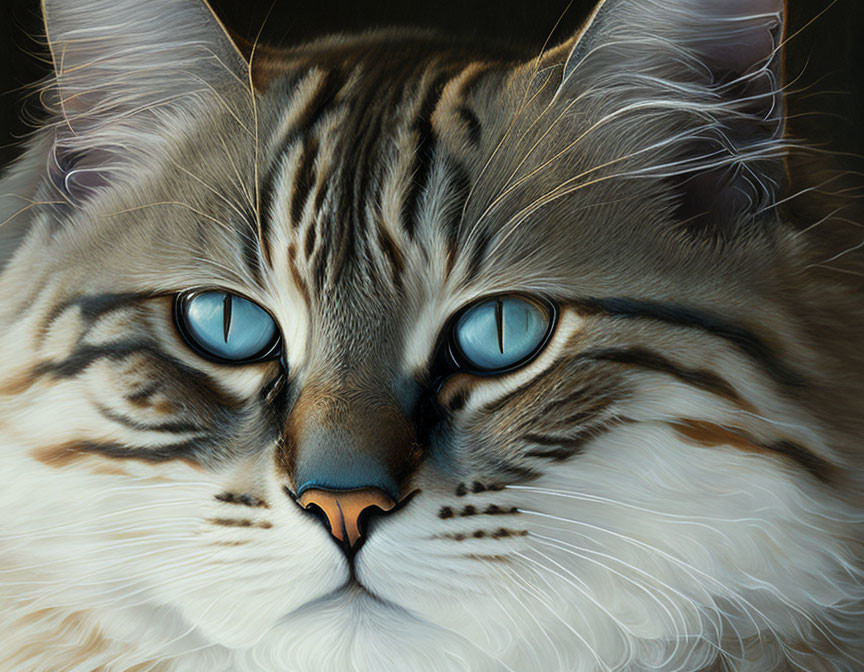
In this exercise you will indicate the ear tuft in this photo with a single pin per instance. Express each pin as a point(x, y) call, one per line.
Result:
point(78, 175)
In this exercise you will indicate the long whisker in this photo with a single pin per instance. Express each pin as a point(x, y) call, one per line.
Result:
point(253, 97)
point(575, 632)
point(523, 105)
point(690, 569)
point(530, 612)
point(574, 550)
point(233, 206)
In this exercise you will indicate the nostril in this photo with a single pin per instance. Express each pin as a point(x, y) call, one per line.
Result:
point(318, 512)
point(366, 516)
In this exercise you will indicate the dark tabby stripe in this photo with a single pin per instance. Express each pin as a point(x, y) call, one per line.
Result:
point(169, 427)
point(477, 487)
point(392, 253)
point(646, 359)
point(500, 533)
point(555, 447)
point(142, 396)
point(472, 124)
point(273, 388)
point(446, 512)
point(93, 307)
point(240, 522)
point(562, 448)
point(309, 243)
point(425, 152)
point(242, 500)
point(749, 343)
point(586, 413)
point(458, 400)
point(304, 178)
point(296, 275)
point(306, 121)
point(85, 356)
point(66, 453)
point(711, 434)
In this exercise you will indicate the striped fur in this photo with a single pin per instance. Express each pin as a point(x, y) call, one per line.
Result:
point(674, 483)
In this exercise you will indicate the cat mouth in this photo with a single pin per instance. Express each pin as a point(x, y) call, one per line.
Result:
point(353, 587)
point(352, 590)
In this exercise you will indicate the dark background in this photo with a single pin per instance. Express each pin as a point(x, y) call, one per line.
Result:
point(827, 103)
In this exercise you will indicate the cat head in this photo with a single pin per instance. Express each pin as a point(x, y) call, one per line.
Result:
point(516, 331)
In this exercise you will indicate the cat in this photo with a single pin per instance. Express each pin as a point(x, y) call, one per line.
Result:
point(391, 351)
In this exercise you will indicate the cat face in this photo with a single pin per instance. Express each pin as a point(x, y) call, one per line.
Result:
point(386, 352)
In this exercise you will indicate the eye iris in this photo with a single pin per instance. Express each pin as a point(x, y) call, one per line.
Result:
point(502, 332)
point(228, 326)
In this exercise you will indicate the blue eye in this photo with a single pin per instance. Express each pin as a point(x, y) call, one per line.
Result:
point(226, 328)
point(503, 332)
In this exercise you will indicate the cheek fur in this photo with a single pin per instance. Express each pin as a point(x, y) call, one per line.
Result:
point(674, 482)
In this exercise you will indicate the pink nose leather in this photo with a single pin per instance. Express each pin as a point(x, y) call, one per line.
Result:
point(344, 508)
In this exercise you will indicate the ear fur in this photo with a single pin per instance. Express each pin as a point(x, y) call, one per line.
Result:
point(706, 73)
point(121, 67)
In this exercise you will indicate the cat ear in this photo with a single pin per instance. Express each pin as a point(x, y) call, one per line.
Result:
point(693, 88)
point(123, 70)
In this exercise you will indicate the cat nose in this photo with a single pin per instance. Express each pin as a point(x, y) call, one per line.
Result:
point(346, 511)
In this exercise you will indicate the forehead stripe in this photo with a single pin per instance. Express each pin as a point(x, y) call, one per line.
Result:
point(313, 108)
point(304, 177)
point(425, 149)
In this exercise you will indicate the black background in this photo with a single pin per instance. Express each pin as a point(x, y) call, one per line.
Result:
point(825, 57)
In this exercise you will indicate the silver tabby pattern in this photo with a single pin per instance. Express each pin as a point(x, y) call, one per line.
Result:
point(673, 484)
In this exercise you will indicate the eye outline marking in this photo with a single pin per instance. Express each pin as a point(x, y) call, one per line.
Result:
point(449, 358)
point(271, 352)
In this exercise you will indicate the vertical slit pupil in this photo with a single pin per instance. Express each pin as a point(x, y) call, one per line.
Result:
point(227, 303)
point(499, 323)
